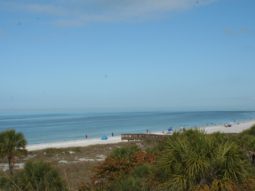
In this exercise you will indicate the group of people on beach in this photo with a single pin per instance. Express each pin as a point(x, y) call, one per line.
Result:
point(86, 136)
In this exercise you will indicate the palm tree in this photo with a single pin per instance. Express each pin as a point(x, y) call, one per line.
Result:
point(12, 144)
point(195, 161)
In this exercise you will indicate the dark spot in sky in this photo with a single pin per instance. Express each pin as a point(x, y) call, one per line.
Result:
point(105, 76)
point(196, 3)
point(19, 23)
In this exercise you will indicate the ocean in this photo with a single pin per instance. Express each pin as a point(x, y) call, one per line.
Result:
point(55, 127)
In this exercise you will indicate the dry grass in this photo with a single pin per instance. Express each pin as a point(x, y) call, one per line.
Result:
point(75, 164)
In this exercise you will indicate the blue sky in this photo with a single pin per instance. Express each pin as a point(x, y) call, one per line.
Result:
point(129, 55)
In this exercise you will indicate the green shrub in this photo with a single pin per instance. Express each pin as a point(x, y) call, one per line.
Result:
point(37, 175)
point(193, 158)
point(250, 131)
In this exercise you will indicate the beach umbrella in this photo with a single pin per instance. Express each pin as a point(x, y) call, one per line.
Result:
point(104, 137)
point(170, 129)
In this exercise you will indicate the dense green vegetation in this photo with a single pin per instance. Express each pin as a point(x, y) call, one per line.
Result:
point(193, 161)
point(37, 175)
point(187, 161)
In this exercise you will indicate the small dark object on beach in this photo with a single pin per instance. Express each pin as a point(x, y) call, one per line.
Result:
point(228, 125)
point(112, 134)
point(86, 136)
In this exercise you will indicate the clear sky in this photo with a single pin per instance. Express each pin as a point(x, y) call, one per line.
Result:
point(128, 55)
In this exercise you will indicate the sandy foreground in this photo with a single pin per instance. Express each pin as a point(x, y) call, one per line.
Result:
point(236, 128)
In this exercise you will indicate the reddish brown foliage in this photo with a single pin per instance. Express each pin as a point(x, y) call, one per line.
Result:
point(113, 168)
point(142, 157)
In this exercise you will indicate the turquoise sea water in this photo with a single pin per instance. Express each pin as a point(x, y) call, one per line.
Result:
point(54, 127)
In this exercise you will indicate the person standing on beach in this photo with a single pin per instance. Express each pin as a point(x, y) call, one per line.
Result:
point(112, 134)
point(86, 136)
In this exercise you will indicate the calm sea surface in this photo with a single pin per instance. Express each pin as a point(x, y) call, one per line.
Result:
point(53, 127)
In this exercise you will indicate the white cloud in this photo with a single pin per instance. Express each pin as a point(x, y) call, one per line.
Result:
point(79, 12)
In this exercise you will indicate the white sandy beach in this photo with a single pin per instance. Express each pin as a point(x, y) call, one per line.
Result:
point(236, 128)
point(75, 143)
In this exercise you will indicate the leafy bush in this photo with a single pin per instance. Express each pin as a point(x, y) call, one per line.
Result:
point(250, 131)
point(124, 153)
point(193, 159)
point(37, 175)
point(113, 172)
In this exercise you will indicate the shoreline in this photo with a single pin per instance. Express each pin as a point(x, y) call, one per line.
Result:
point(75, 143)
point(235, 128)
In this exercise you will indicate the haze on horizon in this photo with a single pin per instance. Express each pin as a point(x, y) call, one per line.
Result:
point(127, 55)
